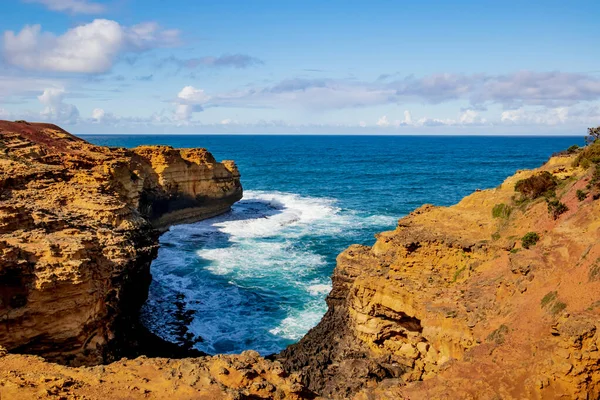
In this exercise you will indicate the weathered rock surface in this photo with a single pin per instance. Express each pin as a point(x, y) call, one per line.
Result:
point(78, 230)
point(449, 305)
point(244, 376)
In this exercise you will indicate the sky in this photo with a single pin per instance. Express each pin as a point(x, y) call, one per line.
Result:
point(314, 67)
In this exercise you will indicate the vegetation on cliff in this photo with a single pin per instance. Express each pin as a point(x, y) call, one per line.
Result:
point(497, 296)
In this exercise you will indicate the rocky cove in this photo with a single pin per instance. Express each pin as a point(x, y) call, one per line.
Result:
point(451, 304)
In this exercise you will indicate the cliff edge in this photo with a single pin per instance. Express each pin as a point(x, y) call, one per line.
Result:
point(79, 227)
point(495, 297)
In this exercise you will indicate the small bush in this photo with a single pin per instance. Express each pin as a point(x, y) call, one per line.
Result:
point(552, 304)
point(495, 236)
point(530, 239)
point(501, 211)
point(588, 155)
point(572, 149)
point(536, 185)
point(595, 181)
point(581, 195)
point(556, 208)
point(557, 307)
point(497, 336)
point(548, 298)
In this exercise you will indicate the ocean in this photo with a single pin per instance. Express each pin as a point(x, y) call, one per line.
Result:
point(257, 277)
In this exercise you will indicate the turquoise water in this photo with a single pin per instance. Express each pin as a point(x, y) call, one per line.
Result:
point(256, 278)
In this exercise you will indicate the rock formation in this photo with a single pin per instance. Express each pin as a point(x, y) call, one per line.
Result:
point(455, 303)
point(78, 230)
point(495, 297)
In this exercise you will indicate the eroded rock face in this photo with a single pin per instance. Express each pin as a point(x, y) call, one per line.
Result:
point(450, 305)
point(79, 227)
point(243, 376)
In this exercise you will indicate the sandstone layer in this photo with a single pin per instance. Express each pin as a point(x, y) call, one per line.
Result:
point(79, 227)
point(496, 297)
point(451, 305)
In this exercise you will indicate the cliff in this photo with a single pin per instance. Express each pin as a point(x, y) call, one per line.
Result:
point(79, 227)
point(495, 297)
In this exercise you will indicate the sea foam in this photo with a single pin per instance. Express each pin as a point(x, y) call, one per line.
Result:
point(256, 277)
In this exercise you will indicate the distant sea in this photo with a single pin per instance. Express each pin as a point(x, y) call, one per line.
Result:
point(257, 277)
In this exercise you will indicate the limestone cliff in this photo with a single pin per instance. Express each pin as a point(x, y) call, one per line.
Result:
point(495, 297)
point(79, 228)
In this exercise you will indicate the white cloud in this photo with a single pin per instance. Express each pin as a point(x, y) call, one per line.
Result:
point(71, 6)
point(545, 116)
point(189, 101)
point(511, 90)
point(99, 116)
point(407, 117)
point(466, 118)
point(191, 95)
point(90, 48)
point(383, 122)
point(56, 110)
point(470, 117)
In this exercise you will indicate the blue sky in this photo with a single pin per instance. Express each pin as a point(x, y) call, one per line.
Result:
point(381, 67)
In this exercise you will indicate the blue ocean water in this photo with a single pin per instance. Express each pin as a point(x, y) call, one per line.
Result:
point(256, 278)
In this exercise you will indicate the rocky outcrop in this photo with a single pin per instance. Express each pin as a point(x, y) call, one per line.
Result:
point(495, 297)
point(79, 227)
point(244, 376)
point(454, 304)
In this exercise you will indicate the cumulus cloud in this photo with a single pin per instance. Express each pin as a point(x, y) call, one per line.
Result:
point(189, 101)
point(239, 61)
point(56, 110)
point(71, 6)
point(407, 117)
point(89, 48)
point(470, 117)
point(99, 116)
point(383, 122)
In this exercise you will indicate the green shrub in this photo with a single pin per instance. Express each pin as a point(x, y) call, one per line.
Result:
point(530, 239)
point(573, 149)
point(501, 211)
point(536, 185)
point(588, 155)
point(557, 307)
point(595, 181)
point(581, 195)
point(556, 208)
point(552, 304)
point(548, 298)
point(497, 336)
